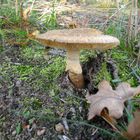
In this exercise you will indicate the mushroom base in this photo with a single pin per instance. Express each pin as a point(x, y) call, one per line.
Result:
point(76, 79)
point(74, 68)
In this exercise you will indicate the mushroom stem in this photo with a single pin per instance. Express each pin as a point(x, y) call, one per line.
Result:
point(74, 68)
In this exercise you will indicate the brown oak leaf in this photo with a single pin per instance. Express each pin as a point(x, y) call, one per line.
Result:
point(133, 130)
point(111, 99)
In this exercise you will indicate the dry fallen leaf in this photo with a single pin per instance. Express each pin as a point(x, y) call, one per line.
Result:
point(26, 126)
point(33, 34)
point(108, 119)
point(59, 127)
point(111, 99)
point(25, 14)
point(72, 25)
point(133, 130)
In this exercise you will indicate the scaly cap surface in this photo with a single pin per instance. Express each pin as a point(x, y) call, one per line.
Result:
point(78, 38)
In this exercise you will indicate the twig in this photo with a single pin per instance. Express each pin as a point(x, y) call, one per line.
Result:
point(16, 5)
point(31, 8)
point(138, 59)
point(133, 19)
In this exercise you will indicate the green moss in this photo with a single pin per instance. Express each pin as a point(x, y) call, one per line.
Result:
point(23, 71)
point(43, 77)
point(13, 35)
point(55, 69)
point(32, 53)
point(123, 57)
point(2, 120)
point(119, 55)
point(102, 74)
point(33, 103)
point(85, 54)
point(2, 35)
point(126, 75)
point(18, 34)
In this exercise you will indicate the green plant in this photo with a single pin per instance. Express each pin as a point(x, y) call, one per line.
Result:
point(9, 15)
point(106, 4)
point(102, 74)
point(18, 128)
point(51, 20)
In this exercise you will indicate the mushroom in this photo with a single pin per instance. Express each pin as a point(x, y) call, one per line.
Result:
point(73, 40)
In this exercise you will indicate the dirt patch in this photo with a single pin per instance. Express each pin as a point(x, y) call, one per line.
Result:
point(90, 70)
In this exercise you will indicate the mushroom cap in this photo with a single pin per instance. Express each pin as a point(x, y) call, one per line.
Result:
point(78, 38)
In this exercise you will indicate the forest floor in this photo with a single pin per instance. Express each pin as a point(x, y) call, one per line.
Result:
point(37, 100)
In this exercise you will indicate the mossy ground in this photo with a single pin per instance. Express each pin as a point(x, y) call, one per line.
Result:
point(33, 93)
point(36, 94)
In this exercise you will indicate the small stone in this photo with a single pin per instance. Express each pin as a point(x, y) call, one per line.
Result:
point(14, 133)
point(32, 139)
point(18, 83)
point(41, 132)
